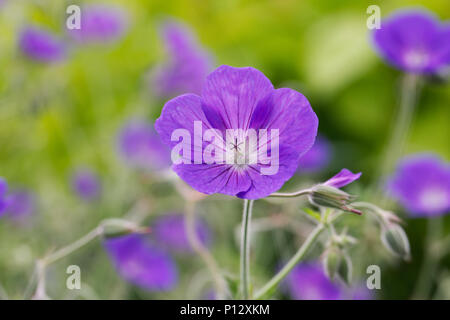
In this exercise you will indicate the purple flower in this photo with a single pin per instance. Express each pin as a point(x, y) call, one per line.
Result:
point(142, 264)
point(141, 147)
point(343, 178)
point(307, 281)
point(188, 63)
point(20, 204)
point(360, 292)
point(421, 184)
point(100, 23)
point(232, 99)
point(3, 191)
point(414, 41)
point(317, 158)
point(169, 231)
point(86, 184)
point(41, 45)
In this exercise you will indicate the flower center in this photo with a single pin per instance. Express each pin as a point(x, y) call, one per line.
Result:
point(416, 59)
point(434, 199)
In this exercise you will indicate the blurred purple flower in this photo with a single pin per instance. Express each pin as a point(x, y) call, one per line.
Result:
point(100, 23)
point(241, 98)
point(317, 158)
point(21, 204)
point(188, 63)
point(142, 264)
point(343, 178)
point(414, 41)
point(3, 191)
point(169, 231)
point(41, 45)
point(421, 184)
point(86, 184)
point(360, 292)
point(141, 147)
point(307, 281)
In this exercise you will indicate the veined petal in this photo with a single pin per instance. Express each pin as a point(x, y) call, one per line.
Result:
point(232, 94)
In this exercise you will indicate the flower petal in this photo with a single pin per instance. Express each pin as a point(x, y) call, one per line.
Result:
point(343, 178)
point(233, 93)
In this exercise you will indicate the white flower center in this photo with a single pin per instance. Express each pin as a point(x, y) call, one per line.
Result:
point(416, 59)
point(434, 199)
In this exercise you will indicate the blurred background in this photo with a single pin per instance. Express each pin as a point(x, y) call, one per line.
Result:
point(63, 112)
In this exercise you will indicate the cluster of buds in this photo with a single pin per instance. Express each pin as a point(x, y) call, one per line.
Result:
point(393, 236)
point(336, 262)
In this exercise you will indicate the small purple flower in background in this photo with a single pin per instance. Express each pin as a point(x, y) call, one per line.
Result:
point(307, 281)
point(188, 63)
point(343, 178)
point(100, 24)
point(414, 41)
point(142, 264)
point(241, 98)
point(317, 158)
point(86, 184)
point(21, 204)
point(141, 147)
point(170, 232)
point(41, 45)
point(3, 191)
point(421, 184)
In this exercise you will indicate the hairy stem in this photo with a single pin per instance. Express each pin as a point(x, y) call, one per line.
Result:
point(396, 144)
point(430, 260)
point(245, 249)
point(290, 195)
point(202, 251)
point(267, 289)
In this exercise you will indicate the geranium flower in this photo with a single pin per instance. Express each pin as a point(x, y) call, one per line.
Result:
point(21, 204)
point(86, 184)
point(233, 99)
point(41, 45)
point(3, 191)
point(187, 66)
point(141, 263)
point(169, 231)
point(307, 281)
point(414, 41)
point(421, 184)
point(100, 23)
point(317, 158)
point(140, 146)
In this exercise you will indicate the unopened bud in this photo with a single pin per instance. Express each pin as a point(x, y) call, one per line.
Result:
point(327, 196)
point(337, 264)
point(119, 227)
point(396, 241)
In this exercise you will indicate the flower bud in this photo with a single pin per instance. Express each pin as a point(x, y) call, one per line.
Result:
point(328, 196)
point(119, 227)
point(337, 264)
point(396, 241)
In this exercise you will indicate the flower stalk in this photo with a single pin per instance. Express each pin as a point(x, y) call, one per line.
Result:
point(245, 249)
point(268, 289)
point(202, 251)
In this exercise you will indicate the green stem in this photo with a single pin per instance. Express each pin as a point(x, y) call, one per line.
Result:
point(245, 249)
point(61, 253)
point(202, 251)
point(396, 144)
point(267, 289)
point(290, 195)
point(430, 260)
